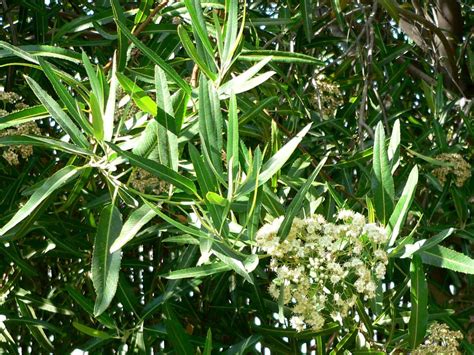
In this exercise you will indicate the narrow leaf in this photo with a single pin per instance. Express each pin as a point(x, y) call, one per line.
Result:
point(58, 114)
point(106, 265)
point(49, 185)
point(274, 163)
point(448, 259)
point(382, 183)
point(199, 271)
point(157, 169)
point(397, 219)
point(137, 219)
point(296, 203)
point(419, 303)
point(155, 58)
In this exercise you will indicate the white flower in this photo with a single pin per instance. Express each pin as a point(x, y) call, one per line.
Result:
point(380, 271)
point(297, 323)
point(375, 233)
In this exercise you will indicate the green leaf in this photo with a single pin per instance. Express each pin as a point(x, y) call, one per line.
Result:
point(232, 150)
point(186, 229)
point(235, 84)
point(176, 333)
point(423, 244)
point(307, 9)
point(65, 96)
point(279, 57)
point(96, 86)
point(419, 303)
point(26, 115)
point(138, 95)
point(230, 26)
point(143, 11)
point(199, 28)
point(199, 271)
point(109, 113)
point(398, 217)
point(394, 147)
point(58, 114)
point(210, 126)
point(119, 17)
point(88, 306)
point(193, 53)
point(48, 186)
point(106, 265)
point(155, 58)
point(97, 120)
point(91, 331)
point(382, 183)
point(137, 219)
point(208, 344)
point(448, 259)
point(274, 163)
point(168, 141)
point(44, 143)
point(242, 346)
point(158, 170)
point(297, 202)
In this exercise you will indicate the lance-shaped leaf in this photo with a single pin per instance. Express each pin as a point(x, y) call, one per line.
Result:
point(106, 265)
point(448, 259)
point(138, 218)
point(274, 163)
point(168, 141)
point(109, 113)
point(297, 201)
point(172, 74)
point(49, 185)
point(397, 219)
point(193, 53)
point(44, 143)
point(159, 170)
point(65, 96)
point(382, 182)
point(58, 114)
point(419, 303)
point(210, 125)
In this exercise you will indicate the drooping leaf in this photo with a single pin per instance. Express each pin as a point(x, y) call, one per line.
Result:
point(50, 185)
point(58, 114)
point(137, 219)
point(419, 303)
point(106, 265)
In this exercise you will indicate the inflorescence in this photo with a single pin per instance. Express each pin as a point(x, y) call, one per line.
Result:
point(322, 268)
point(13, 152)
point(461, 169)
point(441, 340)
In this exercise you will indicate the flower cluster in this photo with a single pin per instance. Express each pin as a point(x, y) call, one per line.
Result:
point(145, 182)
point(327, 97)
point(322, 267)
point(441, 340)
point(13, 100)
point(461, 169)
point(12, 153)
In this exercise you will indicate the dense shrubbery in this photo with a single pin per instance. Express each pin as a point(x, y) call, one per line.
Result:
point(280, 177)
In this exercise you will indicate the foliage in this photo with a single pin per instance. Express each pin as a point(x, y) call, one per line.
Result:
point(147, 147)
